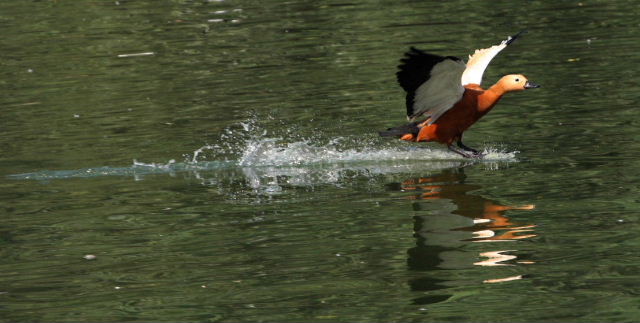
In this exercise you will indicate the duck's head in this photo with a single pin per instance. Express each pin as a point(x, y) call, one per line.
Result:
point(516, 82)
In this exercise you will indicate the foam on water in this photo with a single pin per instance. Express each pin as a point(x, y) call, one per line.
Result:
point(249, 144)
point(257, 149)
point(263, 160)
point(268, 152)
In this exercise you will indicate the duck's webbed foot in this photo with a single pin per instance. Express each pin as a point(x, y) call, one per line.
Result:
point(467, 148)
point(465, 151)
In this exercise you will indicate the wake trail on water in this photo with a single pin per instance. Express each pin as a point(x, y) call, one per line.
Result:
point(250, 147)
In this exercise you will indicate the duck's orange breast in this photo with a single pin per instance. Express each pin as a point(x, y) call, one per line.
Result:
point(475, 103)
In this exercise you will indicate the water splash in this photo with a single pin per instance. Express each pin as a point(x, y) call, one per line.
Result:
point(267, 162)
point(250, 144)
point(269, 152)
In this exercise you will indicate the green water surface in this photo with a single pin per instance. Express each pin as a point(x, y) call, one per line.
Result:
point(260, 190)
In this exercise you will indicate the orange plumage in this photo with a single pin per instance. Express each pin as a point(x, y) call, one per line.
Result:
point(475, 103)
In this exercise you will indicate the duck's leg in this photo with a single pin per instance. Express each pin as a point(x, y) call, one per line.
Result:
point(464, 150)
point(464, 153)
point(465, 147)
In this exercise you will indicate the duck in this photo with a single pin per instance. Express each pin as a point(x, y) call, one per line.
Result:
point(444, 96)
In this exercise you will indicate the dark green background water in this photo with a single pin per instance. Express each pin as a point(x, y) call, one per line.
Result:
point(260, 190)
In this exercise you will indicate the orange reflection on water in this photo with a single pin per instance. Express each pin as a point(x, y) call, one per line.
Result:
point(484, 212)
point(451, 216)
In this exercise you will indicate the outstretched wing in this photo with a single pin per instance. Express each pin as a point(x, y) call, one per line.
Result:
point(481, 58)
point(432, 83)
point(435, 83)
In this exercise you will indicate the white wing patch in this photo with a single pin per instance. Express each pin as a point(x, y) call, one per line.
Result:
point(445, 86)
point(479, 61)
point(441, 91)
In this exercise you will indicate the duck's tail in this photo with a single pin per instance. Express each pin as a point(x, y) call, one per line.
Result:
point(406, 132)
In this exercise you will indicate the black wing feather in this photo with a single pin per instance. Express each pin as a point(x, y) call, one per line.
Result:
point(415, 70)
point(402, 130)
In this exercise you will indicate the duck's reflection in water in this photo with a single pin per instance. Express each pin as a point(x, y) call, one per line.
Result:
point(449, 221)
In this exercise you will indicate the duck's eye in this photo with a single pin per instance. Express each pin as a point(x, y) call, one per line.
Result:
point(517, 80)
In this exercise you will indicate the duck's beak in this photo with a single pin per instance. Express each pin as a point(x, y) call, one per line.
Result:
point(531, 85)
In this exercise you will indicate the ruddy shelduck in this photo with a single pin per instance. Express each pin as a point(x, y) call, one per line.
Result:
point(444, 96)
